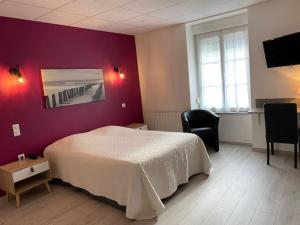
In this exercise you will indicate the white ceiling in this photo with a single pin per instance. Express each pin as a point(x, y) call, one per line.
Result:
point(120, 16)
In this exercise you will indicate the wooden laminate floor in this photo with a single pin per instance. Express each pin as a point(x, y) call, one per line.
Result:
point(242, 190)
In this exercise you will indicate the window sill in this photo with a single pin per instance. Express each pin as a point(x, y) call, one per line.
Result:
point(243, 113)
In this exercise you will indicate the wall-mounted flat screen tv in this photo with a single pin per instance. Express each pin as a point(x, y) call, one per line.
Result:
point(283, 51)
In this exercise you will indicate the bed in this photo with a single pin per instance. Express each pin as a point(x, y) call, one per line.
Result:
point(135, 168)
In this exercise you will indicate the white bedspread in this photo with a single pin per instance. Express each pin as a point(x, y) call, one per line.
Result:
point(135, 168)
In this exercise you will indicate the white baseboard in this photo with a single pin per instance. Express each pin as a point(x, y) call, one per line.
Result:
point(236, 143)
point(280, 152)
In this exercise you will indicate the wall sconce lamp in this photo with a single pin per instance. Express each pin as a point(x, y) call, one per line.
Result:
point(121, 74)
point(15, 71)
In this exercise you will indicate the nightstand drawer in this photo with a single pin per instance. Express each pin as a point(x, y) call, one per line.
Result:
point(30, 171)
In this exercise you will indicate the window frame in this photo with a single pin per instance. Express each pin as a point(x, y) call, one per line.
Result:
point(220, 33)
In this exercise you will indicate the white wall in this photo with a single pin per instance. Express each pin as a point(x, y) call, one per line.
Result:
point(227, 21)
point(163, 67)
point(267, 21)
point(236, 128)
point(163, 72)
point(164, 79)
point(192, 69)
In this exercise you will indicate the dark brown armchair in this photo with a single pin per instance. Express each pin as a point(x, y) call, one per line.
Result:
point(203, 123)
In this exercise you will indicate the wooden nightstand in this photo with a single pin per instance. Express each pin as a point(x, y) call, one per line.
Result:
point(21, 176)
point(139, 126)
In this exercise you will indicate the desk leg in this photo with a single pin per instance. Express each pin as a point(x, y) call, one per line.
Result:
point(268, 153)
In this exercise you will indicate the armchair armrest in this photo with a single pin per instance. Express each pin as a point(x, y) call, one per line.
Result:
point(210, 117)
point(212, 114)
point(186, 127)
point(214, 119)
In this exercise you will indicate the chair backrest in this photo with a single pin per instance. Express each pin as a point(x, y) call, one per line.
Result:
point(197, 118)
point(281, 122)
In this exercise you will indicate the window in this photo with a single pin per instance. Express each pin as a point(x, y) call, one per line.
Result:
point(223, 67)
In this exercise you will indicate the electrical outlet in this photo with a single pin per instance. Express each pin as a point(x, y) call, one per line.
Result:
point(21, 157)
point(123, 105)
point(16, 130)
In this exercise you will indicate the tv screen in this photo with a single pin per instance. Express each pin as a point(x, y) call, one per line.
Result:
point(284, 51)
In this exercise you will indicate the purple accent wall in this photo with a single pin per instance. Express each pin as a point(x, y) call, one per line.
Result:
point(34, 46)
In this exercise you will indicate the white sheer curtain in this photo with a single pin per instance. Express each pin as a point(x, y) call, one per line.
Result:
point(223, 65)
point(236, 69)
point(210, 67)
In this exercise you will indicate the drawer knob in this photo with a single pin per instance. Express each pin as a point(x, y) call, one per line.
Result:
point(31, 169)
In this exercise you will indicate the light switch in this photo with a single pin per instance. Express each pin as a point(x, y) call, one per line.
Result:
point(16, 130)
point(123, 105)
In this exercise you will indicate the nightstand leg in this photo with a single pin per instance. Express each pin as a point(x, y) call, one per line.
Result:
point(48, 187)
point(18, 200)
point(7, 196)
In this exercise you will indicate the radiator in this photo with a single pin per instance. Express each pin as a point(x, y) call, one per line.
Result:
point(163, 120)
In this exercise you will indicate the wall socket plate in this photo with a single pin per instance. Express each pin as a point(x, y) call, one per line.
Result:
point(16, 130)
point(21, 157)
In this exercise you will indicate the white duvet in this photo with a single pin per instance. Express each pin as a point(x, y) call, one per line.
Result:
point(132, 167)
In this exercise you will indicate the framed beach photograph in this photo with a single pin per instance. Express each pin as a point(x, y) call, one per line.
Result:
point(64, 87)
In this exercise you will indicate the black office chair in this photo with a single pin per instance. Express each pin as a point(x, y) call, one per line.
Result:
point(203, 123)
point(281, 126)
